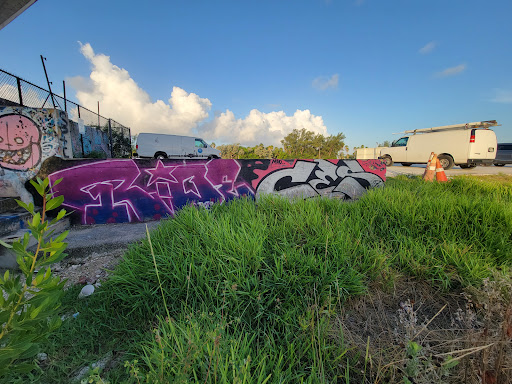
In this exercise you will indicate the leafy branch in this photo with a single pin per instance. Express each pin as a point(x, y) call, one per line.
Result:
point(28, 310)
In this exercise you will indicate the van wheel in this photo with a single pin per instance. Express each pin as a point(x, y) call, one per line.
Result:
point(446, 161)
point(213, 157)
point(160, 155)
point(467, 166)
point(387, 160)
point(499, 165)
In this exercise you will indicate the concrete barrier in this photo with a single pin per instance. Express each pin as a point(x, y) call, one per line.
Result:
point(118, 191)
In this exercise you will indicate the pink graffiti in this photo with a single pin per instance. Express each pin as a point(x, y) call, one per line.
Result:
point(275, 164)
point(19, 142)
point(374, 166)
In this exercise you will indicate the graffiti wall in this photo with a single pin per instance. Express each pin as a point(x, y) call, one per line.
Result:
point(28, 136)
point(94, 140)
point(118, 191)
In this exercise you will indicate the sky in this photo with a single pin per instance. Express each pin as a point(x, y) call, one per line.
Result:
point(252, 71)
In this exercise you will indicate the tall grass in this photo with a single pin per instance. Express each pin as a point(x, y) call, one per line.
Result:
point(250, 288)
point(269, 274)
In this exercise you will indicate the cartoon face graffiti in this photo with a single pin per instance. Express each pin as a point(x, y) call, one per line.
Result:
point(19, 143)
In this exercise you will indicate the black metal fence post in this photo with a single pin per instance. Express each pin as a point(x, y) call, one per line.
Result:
point(110, 139)
point(20, 96)
point(65, 100)
point(81, 135)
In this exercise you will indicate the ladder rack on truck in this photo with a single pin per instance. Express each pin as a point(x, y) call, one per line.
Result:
point(477, 124)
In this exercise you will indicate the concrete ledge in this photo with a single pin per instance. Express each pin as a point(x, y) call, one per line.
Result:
point(8, 256)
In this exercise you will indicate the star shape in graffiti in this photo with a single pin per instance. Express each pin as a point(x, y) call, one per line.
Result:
point(190, 186)
point(161, 172)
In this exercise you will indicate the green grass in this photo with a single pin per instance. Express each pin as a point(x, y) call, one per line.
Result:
point(250, 288)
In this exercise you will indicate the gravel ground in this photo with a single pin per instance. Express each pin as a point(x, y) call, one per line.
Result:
point(92, 269)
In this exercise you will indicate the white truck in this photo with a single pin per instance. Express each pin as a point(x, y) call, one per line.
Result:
point(163, 146)
point(466, 145)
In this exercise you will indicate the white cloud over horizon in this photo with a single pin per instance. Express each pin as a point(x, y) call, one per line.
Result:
point(502, 96)
point(452, 71)
point(259, 127)
point(427, 48)
point(184, 113)
point(323, 82)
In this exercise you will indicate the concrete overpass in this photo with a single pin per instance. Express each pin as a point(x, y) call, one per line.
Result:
point(10, 9)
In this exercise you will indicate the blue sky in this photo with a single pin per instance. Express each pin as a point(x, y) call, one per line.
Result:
point(250, 71)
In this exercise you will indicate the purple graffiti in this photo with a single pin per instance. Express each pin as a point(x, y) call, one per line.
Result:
point(116, 191)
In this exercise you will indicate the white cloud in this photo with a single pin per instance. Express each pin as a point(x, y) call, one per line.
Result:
point(452, 71)
point(185, 113)
point(429, 47)
point(323, 82)
point(502, 96)
point(259, 127)
point(123, 100)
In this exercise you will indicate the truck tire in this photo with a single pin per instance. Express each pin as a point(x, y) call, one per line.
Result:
point(499, 165)
point(446, 161)
point(387, 160)
point(467, 166)
point(160, 155)
point(406, 164)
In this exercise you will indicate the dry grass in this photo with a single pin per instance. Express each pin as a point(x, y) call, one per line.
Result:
point(471, 327)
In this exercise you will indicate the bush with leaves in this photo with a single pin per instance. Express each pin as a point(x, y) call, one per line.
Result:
point(28, 307)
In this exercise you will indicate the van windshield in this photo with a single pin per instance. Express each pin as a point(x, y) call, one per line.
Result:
point(400, 142)
point(199, 143)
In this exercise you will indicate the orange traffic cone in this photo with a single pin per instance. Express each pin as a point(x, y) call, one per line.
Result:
point(428, 164)
point(430, 170)
point(440, 175)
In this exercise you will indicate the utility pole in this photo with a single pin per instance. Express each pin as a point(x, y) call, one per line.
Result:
point(48, 81)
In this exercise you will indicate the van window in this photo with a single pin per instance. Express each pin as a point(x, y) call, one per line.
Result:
point(401, 142)
point(504, 147)
point(200, 143)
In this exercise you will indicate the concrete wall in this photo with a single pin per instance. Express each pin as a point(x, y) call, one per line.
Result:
point(117, 191)
point(368, 153)
point(28, 136)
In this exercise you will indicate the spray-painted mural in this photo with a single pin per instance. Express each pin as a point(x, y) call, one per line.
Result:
point(116, 191)
point(93, 140)
point(27, 137)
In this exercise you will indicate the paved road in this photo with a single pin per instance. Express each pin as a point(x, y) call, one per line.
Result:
point(455, 171)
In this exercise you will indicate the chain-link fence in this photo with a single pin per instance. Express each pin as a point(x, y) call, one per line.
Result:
point(103, 137)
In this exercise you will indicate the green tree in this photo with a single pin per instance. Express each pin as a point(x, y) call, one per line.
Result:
point(305, 144)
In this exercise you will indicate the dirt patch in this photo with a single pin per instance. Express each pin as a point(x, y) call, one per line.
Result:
point(412, 332)
point(91, 269)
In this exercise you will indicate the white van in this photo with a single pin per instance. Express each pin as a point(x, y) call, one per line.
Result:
point(466, 145)
point(162, 146)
